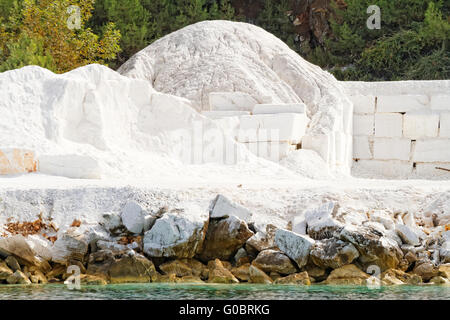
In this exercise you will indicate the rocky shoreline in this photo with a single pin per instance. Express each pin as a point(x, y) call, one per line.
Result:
point(224, 244)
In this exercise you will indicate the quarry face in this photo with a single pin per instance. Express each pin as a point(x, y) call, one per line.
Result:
point(226, 108)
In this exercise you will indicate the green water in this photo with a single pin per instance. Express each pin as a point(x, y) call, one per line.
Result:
point(212, 291)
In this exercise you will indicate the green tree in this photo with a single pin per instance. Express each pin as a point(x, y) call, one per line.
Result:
point(39, 32)
point(413, 33)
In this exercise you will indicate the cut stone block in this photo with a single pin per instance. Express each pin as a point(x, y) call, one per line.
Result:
point(388, 125)
point(420, 124)
point(224, 114)
point(363, 104)
point(363, 125)
point(440, 102)
point(432, 150)
point(402, 103)
point(70, 166)
point(392, 149)
point(444, 131)
point(341, 144)
point(320, 143)
point(361, 148)
point(283, 127)
point(279, 108)
point(347, 119)
point(392, 169)
point(231, 101)
point(273, 151)
point(15, 161)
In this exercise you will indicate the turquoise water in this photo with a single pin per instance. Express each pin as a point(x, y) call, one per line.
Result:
point(211, 292)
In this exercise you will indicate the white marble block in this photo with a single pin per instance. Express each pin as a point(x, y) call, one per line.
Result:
point(388, 125)
point(420, 124)
point(392, 149)
point(283, 127)
point(231, 101)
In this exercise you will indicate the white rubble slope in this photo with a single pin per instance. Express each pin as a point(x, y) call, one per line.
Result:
point(224, 56)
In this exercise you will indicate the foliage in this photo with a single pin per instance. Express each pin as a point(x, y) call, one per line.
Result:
point(39, 34)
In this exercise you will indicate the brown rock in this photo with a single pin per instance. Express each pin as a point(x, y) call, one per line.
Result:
point(426, 270)
point(38, 277)
point(444, 270)
point(18, 277)
point(333, 253)
point(12, 263)
point(242, 261)
point(275, 275)
point(166, 278)
point(301, 278)
point(274, 261)
point(88, 279)
point(348, 274)
point(410, 257)
point(373, 247)
point(177, 268)
point(190, 279)
point(259, 276)
point(394, 277)
point(318, 274)
point(58, 272)
point(132, 269)
point(224, 237)
point(219, 274)
point(242, 272)
point(264, 240)
point(198, 268)
point(5, 271)
point(438, 280)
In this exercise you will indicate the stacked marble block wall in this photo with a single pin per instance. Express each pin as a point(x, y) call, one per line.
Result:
point(270, 131)
point(402, 135)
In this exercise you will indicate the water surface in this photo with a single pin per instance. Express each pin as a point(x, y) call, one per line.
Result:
point(157, 291)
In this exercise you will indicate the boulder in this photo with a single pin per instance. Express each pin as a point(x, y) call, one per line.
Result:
point(12, 263)
point(122, 268)
point(241, 257)
point(426, 269)
point(198, 268)
point(274, 261)
point(407, 235)
point(444, 252)
point(110, 245)
point(5, 271)
point(347, 275)
point(135, 218)
point(37, 277)
point(320, 223)
point(263, 240)
point(133, 268)
point(113, 223)
point(70, 246)
point(444, 270)
point(222, 207)
point(258, 276)
point(301, 278)
point(242, 272)
point(333, 253)
point(18, 277)
point(438, 280)
point(20, 248)
point(395, 276)
point(177, 268)
point(178, 234)
point(41, 246)
point(373, 247)
point(318, 274)
point(224, 238)
point(295, 246)
point(219, 274)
